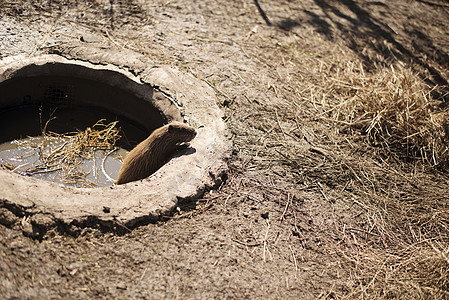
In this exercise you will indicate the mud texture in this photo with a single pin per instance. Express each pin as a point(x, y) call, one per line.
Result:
point(291, 220)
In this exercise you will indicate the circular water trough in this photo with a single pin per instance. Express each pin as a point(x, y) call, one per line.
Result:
point(157, 95)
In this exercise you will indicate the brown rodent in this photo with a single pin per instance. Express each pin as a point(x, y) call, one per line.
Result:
point(148, 156)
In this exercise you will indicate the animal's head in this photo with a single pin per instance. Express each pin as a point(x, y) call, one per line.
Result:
point(180, 132)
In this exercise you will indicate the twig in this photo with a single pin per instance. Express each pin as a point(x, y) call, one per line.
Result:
point(19, 167)
point(286, 207)
point(279, 124)
point(322, 192)
point(294, 260)
point(361, 230)
point(44, 171)
point(121, 225)
point(143, 274)
point(265, 243)
point(247, 244)
point(217, 89)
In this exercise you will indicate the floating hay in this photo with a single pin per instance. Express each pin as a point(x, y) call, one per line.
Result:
point(63, 155)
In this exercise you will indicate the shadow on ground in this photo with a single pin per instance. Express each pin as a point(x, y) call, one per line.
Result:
point(374, 41)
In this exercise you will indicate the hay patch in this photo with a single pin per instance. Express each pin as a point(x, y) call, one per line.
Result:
point(62, 156)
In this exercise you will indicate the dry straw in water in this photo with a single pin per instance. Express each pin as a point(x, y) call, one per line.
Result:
point(65, 160)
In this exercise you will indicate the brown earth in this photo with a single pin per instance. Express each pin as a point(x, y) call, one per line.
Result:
point(312, 208)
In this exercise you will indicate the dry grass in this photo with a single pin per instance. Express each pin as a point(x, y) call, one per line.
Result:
point(394, 110)
point(419, 271)
point(403, 248)
point(377, 141)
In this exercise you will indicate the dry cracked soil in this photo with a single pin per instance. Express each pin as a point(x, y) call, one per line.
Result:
point(303, 213)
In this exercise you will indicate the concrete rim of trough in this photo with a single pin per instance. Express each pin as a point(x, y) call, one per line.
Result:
point(183, 177)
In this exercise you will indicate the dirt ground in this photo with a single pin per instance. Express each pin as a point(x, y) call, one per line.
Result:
point(311, 207)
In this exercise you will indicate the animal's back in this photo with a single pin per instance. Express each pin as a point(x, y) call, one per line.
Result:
point(135, 165)
point(148, 156)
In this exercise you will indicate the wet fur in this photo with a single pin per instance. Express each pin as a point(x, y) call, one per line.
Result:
point(148, 156)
